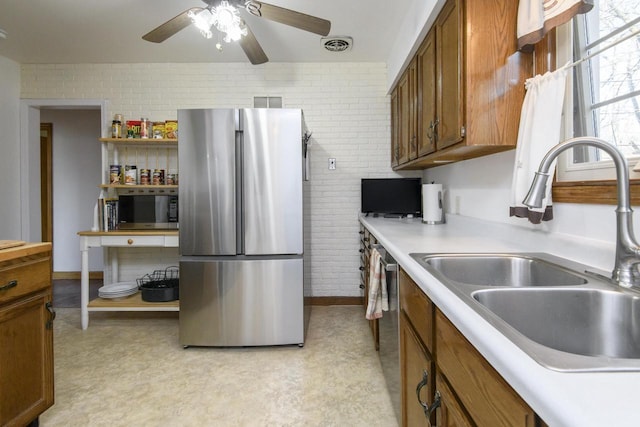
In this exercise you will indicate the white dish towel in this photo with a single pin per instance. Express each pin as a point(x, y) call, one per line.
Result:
point(539, 130)
point(377, 300)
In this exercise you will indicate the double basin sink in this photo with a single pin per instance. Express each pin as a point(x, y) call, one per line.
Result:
point(562, 316)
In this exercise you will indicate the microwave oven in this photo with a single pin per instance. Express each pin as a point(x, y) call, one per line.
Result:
point(147, 212)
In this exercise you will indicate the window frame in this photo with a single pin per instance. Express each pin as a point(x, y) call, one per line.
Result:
point(572, 186)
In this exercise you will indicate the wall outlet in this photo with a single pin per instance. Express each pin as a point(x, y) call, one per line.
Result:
point(332, 164)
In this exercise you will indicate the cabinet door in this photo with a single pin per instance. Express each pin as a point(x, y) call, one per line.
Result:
point(449, 50)
point(450, 413)
point(395, 130)
point(26, 360)
point(426, 109)
point(407, 149)
point(486, 396)
point(414, 361)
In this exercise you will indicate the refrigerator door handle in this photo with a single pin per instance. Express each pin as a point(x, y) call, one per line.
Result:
point(239, 194)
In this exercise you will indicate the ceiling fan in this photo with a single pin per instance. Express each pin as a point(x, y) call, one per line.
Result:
point(224, 16)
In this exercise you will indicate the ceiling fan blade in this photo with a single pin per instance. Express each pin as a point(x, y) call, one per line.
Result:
point(289, 17)
point(170, 27)
point(252, 48)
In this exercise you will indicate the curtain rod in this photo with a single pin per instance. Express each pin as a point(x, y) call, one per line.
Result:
point(598, 52)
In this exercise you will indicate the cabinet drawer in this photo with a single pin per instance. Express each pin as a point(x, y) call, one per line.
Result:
point(157, 241)
point(25, 276)
point(476, 382)
point(418, 308)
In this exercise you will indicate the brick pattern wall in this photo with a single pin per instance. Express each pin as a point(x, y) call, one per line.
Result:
point(345, 106)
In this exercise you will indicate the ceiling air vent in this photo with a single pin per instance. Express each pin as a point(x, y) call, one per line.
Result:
point(337, 43)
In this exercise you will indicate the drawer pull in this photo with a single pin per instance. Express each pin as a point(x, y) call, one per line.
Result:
point(52, 315)
point(9, 285)
point(428, 409)
point(130, 242)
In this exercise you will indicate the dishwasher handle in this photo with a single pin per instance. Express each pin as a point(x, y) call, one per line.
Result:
point(389, 264)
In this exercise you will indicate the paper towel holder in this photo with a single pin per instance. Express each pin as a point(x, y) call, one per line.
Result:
point(442, 219)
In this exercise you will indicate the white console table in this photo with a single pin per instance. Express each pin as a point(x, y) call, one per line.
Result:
point(120, 239)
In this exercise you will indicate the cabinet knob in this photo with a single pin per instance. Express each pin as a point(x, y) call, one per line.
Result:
point(361, 286)
point(130, 242)
point(428, 409)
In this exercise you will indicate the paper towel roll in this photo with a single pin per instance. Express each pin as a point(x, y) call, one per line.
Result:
point(432, 207)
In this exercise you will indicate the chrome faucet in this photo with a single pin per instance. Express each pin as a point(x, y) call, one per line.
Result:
point(627, 249)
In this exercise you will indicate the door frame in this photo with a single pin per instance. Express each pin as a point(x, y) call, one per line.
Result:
point(30, 204)
point(46, 181)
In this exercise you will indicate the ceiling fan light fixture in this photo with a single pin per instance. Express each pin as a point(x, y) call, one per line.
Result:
point(227, 20)
point(235, 33)
point(203, 21)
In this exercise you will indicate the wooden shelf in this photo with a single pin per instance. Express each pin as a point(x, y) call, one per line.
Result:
point(146, 142)
point(131, 303)
point(129, 233)
point(140, 187)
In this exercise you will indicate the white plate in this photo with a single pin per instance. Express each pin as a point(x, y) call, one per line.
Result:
point(117, 294)
point(118, 287)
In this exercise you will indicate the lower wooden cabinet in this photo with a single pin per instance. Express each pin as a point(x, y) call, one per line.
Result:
point(366, 241)
point(416, 372)
point(462, 388)
point(449, 412)
point(26, 334)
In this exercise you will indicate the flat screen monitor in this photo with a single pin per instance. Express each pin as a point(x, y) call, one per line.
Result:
point(391, 196)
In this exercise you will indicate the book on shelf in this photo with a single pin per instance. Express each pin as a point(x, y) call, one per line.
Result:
point(108, 214)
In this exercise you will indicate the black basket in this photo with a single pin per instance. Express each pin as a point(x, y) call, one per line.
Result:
point(160, 286)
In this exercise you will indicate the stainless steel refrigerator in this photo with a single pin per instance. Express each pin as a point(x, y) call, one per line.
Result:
point(241, 227)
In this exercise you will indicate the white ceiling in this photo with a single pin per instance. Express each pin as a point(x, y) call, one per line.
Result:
point(99, 31)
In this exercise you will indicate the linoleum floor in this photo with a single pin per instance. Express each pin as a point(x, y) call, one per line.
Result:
point(128, 369)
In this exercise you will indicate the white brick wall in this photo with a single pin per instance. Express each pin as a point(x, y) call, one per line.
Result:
point(345, 106)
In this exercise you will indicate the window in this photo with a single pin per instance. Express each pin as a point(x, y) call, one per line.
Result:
point(605, 98)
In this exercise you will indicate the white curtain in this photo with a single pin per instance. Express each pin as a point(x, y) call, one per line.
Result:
point(537, 17)
point(539, 130)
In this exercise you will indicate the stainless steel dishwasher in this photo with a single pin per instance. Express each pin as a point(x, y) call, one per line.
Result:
point(389, 333)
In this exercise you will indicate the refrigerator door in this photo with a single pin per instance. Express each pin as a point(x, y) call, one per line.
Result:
point(241, 303)
point(207, 194)
point(272, 181)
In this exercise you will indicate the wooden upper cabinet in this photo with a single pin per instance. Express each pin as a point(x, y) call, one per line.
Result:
point(426, 102)
point(407, 133)
point(395, 138)
point(469, 85)
point(449, 100)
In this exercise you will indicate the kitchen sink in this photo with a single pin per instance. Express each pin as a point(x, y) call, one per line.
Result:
point(500, 270)
point(588, 322)
point(553, 309)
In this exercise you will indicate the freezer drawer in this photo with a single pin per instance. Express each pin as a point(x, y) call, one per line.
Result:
point(241, 302)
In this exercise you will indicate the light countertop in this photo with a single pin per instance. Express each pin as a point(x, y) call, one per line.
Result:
point(560, 398)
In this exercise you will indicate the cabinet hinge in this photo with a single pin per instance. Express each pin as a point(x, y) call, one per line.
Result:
point(463, 131)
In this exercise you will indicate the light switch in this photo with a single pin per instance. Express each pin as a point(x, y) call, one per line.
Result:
point(332, 164)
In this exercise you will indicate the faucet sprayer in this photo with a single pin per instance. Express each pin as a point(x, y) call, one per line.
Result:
point(627, 249)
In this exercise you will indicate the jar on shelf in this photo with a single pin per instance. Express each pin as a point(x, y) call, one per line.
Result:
point(145, 128)
point(116, 129)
